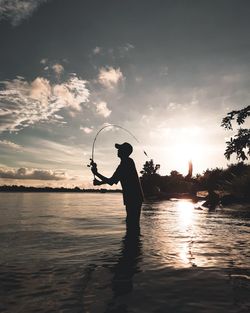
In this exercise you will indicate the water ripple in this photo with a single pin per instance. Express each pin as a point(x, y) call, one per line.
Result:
point(71, 253)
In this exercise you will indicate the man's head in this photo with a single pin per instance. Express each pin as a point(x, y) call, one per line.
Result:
point(124, 150)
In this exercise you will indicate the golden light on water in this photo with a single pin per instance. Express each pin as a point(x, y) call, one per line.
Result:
point(186, 220)
point(185, 212)
point(177, 249)
point(184, 236)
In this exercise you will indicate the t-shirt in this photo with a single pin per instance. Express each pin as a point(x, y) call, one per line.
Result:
point(126, 173)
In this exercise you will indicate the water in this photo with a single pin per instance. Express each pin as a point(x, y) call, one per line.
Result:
point(71, 253)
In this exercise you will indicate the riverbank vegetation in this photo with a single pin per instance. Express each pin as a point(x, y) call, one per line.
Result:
point(15, 188)
point(221, 185)
point(230, 184)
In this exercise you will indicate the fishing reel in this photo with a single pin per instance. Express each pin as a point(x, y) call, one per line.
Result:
point(92, 164)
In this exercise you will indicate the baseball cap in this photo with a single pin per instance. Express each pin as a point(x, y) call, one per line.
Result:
point(126, 147)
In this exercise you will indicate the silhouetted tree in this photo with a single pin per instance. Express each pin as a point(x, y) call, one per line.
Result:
point(241, 141)
point(176, 174)
point(149, 168)
point(211, 179)
point(150, 180)
point(236, 169)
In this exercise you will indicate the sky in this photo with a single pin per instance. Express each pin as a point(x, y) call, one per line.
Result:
point(166, 70)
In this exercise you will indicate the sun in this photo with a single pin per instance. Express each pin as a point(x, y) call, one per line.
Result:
point(185, 153)
point(188, 146)
point(179, 146)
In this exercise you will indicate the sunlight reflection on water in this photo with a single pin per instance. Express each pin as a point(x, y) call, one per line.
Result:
point(185, 210)
point(71, 253)
point(185, 236)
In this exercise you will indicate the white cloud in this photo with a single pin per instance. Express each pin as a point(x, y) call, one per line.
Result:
point(44, 61)
point(86, 130)
point(106, 124)
point(138, 79)
point(71, 93)
point(46, 154)
point(54, 67)
point(97, 50)
point(174, 106)
point(109, 77)
point(40, 90)
point(17, 10)
point(102, 109)
point(115, 52)
point(25, 103)
point(58, 69)
point(128, 47)
point(10, 144)
point(123, 50)
point(34, 174)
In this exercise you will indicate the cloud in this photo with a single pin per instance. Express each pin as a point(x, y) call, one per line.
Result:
point(17, 10)
point(109, 77)
point(128, 46)
point(71, 93)
point(115, 52)
point(97, 50)
point(39, 90)
point(26, 103)
point(34, 174)
point(86, 130)
point(102, 109)
point(54, 67)
point(138, 79)
point(124, 50)
point(44, 61)
point(10, 144)
point(58, 69)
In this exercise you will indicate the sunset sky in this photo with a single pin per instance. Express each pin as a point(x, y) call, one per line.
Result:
point(168, 71)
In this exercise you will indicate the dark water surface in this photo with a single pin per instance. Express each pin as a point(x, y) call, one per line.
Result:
point(71, 253)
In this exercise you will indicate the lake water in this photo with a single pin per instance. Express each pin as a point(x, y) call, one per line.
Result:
point(70, 252)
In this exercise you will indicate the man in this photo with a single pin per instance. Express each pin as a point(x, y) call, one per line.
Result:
point(125, 173)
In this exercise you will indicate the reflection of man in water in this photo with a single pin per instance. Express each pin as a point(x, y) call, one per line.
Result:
point(125, 173)
point(128, 264)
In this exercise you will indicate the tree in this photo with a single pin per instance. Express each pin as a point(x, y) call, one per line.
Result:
point(211, 179)
point(175, 174)
point(150, 180)
point(149, 168)
point(239, 143)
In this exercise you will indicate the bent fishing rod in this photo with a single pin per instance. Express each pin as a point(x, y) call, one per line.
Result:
point(92, 163)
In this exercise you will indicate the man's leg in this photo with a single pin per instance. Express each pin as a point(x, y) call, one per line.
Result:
point(133, 214)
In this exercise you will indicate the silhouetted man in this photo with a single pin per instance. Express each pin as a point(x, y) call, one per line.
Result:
point(125, 173)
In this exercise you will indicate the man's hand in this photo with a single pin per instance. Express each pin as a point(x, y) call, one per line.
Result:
point(97, 182)
point(93, 167)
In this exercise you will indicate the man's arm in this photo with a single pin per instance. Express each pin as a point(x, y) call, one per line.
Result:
point(97, 182)
point(103, 179)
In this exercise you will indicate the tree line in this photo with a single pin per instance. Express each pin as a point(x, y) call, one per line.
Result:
point(233, 182)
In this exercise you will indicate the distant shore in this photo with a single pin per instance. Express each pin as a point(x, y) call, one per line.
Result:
point(221, 198)
point(15, 188)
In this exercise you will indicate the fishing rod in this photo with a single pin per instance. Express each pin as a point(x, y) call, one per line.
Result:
point(92, 163)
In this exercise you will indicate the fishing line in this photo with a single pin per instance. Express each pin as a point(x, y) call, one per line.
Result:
point(111, 125)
